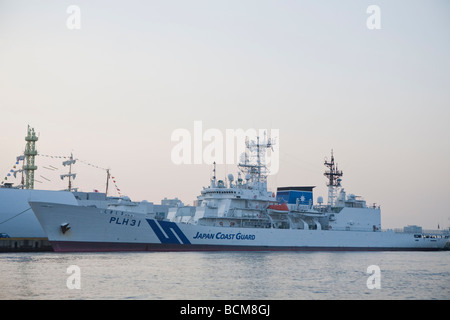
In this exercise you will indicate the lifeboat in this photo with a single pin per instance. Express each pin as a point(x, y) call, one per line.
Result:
point(278, 208)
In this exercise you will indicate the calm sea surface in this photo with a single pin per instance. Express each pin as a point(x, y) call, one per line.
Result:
point(227, 275)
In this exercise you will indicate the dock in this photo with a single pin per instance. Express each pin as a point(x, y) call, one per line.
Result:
point(25, 245)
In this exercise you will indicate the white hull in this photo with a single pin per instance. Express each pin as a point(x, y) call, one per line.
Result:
point(16, 217)
point(17, 220)
point(93, 229)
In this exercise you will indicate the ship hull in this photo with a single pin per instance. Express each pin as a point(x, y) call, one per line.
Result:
point(103, 230)
point(16, 217)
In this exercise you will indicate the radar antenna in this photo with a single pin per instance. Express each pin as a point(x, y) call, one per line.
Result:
point(334, 179)
point(254, 165)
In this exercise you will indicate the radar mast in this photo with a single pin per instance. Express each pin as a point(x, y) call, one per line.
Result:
point(254, 165)
point(334, 179)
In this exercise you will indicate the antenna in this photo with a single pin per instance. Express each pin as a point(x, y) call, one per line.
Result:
point(257, 172)
point(70, 175)
point(334, 179)
point(213, 180)
point(107, 182)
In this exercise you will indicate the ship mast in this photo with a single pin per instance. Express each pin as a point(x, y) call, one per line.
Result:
point(258, 171)
point(334, 179)
point(107, 182)
point(30, 153)
point(70, 175)
point(213, 180)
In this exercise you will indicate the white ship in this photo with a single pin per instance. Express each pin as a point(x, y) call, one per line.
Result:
point(17, 220)
point(238, 215)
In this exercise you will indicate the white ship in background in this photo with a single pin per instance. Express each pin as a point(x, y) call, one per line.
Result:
point(240, 215)
point(17, 220)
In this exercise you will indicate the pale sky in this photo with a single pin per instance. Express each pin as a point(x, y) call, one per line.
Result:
point(115, 90)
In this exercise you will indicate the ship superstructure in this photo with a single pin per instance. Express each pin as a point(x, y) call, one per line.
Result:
point(248, 204)
point(240, 203)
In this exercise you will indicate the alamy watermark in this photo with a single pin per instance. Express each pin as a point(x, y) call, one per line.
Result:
point(373, 22)
point(73, 21)
point(374, 280)
point(213, 145)
point(74, 279)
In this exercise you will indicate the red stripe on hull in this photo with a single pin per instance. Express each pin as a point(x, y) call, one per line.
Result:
point(77, 246)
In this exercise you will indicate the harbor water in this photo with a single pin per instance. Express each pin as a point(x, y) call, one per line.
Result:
point(226, 275)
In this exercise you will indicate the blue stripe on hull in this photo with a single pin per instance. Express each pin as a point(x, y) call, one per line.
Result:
point(171, 230)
